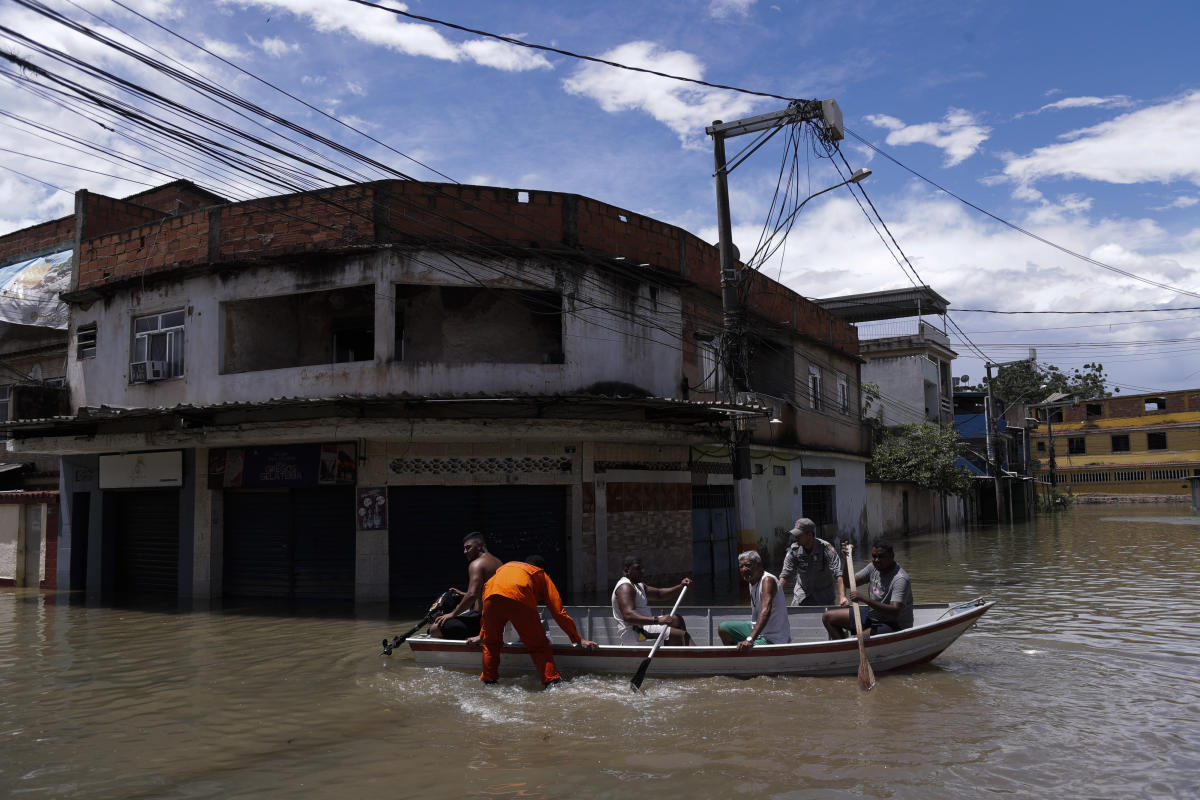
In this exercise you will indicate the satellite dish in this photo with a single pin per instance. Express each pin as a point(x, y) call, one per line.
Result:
point(965, 379)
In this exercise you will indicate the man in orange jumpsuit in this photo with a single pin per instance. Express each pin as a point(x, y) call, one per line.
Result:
point(513, 594)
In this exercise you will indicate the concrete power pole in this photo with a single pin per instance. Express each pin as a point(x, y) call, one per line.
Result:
point(733, 339)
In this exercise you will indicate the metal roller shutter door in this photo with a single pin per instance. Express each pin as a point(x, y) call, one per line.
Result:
point(258, 544)
point(297, 543)
point(147, 541)
point(428, 523)
point(324, 543)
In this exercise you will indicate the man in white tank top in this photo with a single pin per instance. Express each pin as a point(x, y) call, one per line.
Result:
point(631, 608)
point(768, 608)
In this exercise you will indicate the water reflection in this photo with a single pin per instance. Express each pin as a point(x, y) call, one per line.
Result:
point(1083, 682)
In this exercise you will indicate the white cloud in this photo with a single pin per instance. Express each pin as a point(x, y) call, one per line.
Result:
point(276, 47)
point(721, 9)
point(958, 135)
point(684, 108)
point(1113, 101)
point(226, 50)
point(387, 30)
point(355, 88)
point(1185, 202)
point(1156, 144)
point(976, 263)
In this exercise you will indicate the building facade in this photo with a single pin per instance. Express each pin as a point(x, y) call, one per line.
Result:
point(1138, 444)
point(316, 395)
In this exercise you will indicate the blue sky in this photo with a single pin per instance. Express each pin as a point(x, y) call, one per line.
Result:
point(1079, 122)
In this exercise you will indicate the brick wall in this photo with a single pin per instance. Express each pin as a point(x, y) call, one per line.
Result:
point(408, 212)
point(653, 521)
point(33, 241)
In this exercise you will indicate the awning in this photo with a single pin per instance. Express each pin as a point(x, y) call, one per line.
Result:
point(29, 291)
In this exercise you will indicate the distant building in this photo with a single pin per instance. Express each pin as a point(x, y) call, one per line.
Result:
point(1139, 444)
point(910, 361)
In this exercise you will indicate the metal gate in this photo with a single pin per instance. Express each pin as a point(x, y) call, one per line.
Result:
point(714, 544)
point(429, 522)
point(146, 524)
point(290, 543)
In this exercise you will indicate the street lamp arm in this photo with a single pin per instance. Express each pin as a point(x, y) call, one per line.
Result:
point(859, 174)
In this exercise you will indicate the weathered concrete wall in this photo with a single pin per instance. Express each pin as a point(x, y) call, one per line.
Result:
point(885, 510)
point(613, 336)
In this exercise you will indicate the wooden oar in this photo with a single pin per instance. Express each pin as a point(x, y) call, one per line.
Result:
point(636, 681)
point(866, 676)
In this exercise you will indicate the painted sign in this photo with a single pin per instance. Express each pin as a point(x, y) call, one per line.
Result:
point(282, 466)
point(142, 470)
point(371, 508)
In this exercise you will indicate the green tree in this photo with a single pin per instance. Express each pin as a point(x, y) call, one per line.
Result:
point(923, 454)
point(1030, 382)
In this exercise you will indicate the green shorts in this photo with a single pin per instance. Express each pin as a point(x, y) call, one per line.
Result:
point(738, 631)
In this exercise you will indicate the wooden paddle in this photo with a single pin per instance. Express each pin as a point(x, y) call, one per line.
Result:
point(866, 676)
point(636, 681)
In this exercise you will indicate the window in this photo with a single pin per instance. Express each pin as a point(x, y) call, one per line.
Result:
point(709, 362)
point(1120, 443)
point(1041, 447)
point(4, 394)
point(1156, 440)
point(85, 341)
point(330, 326)
point(1075, 446)
point(817, 504)
point(843, 396)
point(1095, 410)
point(480, 325)
point(814, 388)
point(1156, 404)
point(157, 347)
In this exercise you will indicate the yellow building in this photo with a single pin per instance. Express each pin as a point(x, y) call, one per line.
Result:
point(1140, 444)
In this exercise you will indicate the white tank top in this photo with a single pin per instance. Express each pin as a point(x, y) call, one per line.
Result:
point(778, 630)
point(640, 604)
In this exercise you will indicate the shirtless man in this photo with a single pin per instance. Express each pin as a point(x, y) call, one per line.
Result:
point(464, 621)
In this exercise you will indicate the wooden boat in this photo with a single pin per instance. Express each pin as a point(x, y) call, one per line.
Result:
point(935, 627)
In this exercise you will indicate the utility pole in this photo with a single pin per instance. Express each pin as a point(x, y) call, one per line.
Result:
point(733, 338)
point(989, 422)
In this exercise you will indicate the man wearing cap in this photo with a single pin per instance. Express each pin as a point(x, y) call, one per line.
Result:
point(816, 567)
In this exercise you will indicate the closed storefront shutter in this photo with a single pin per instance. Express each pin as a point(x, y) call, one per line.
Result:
point(147, 541)
point(323, 563)
point(290, 543)
point(429, 522)
point(258, 543)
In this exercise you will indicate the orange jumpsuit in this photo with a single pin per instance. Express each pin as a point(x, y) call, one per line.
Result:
point(513, 595)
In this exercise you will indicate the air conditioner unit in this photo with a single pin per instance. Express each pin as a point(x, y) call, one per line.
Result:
point(137, 372)
point(156, 370)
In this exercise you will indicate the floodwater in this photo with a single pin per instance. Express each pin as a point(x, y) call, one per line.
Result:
point(1084, 682)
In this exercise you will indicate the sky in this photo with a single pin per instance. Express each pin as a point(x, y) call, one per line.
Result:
point(1025, 156)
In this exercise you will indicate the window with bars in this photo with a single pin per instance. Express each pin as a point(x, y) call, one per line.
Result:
point(814, 388)
point(843, 393)
point(1076, 446)
point(1120, 443)
point(1156, 440)
point(85, 341)
point(708, 359)
point(817, 503)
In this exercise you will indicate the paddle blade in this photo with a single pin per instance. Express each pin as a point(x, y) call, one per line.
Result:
point(635, 682)
point(866, 675)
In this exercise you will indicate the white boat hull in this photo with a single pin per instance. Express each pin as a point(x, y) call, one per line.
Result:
point(936, 628)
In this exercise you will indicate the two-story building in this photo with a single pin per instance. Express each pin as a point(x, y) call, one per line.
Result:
point(1146, 444)
point(318, 394)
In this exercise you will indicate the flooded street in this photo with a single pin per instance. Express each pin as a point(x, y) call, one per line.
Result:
point(1083, 682)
